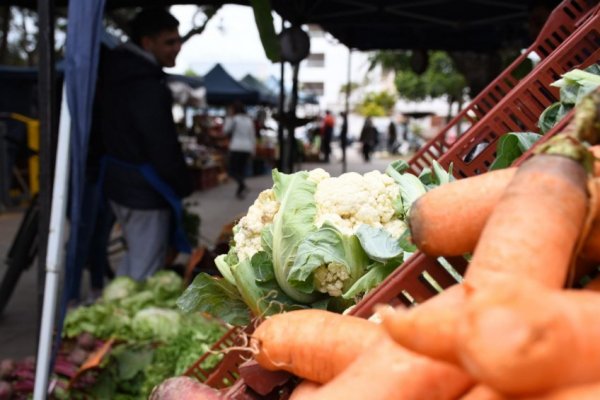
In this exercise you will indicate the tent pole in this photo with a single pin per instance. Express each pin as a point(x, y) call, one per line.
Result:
point(47, 116)
point(347, 109)
point(281, 112)
point(55, 253)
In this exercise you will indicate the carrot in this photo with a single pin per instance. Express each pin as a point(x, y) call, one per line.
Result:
point(580, 392)
point(448, 220)
point(313, 344)
point(305, 388)
point(594, 284)
point(388, 371)
point(482, 392)
point(591, 246)
point(525, 338)
point(533, 230)
point(429, 328)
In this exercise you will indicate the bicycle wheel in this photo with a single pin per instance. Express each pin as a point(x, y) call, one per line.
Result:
point(21, 254)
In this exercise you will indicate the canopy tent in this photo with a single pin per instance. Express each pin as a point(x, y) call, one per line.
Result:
point(223, 89)
point(464, 25)
point(452, 25)
point(265, 95)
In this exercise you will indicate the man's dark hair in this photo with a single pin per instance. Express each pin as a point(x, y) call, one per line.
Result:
point(150, 22)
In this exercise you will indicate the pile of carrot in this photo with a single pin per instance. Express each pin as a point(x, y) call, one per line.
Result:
point(513, 329)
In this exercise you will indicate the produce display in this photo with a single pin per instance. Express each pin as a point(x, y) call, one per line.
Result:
point(313, 241)
point(510, 329)
point(132, 338)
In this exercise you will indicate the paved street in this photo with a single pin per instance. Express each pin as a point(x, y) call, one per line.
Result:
point(217, 206)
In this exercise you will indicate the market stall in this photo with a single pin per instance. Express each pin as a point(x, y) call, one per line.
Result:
point(301, 282)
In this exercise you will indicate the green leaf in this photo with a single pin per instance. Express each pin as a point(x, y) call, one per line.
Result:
point(548, 118)
point(370, 280)
point(222, 264)
point(217, 297)
point(263, 266)
point(264, 22)
point(511, 146)
point(292, 223)
point(379, 244)
point(323, 247)
point(400, 166)
point(132, 359)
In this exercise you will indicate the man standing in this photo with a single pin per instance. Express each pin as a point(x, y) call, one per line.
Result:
point(145, 174)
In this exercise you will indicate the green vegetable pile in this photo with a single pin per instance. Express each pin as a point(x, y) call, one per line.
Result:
point(154, 339)
point(313, 241)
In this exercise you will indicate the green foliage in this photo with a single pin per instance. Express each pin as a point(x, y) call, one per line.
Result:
point(377, 104)
point(440, 79)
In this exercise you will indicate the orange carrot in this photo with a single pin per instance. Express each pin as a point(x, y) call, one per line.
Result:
point(305, 388)
point(591, 246)
point(580, 392)
point(387, 371)
point(448, 220)
point(313, 344)
point(482, 392)
point(525, 338)
point(594, 284)
point(429, 328)
point(533, 230)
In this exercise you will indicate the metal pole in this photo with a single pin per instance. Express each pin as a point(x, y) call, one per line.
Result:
point(281, 111)
point(347, 111)
point(291, 139)
point(55, 253)
point(47, 116)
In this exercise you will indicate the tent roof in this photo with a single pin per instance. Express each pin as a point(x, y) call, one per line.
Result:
point(192, 81)
point(266, 95)
point(470, 25)
point(473, 25)
point(222, 88)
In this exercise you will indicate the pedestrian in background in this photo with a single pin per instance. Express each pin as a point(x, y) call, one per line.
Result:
point(326, 134)
point(368, 138)
point(242, 145)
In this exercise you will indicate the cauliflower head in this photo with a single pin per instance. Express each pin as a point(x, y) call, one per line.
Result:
point(247, 232)
point(353, 199)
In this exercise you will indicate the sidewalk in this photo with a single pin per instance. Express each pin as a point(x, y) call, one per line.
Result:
point(216, 207)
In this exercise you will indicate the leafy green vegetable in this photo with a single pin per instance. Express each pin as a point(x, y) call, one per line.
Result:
point(119, 288)
point(295, 219)
point(215, 296)
point(574, 85)
point(155, 323)
point(370, 280)
point(319, 250)
point(511, 146)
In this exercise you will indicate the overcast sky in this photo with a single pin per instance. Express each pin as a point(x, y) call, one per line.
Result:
point(230, 38)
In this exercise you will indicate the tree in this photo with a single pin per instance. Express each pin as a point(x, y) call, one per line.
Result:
point(377, 104)
point(440, 79)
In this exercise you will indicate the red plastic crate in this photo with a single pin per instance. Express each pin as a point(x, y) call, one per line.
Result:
point(520, 110)
point(565, 20)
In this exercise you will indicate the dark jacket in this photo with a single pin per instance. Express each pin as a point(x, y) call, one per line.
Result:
point(138, 128)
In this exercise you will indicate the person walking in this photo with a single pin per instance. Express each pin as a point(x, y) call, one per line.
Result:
point(242, 145)
point(368, 138)
point(326, 134)
point(145, 174)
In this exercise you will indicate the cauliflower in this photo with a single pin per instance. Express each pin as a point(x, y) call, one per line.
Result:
point(353, 199)
point(247, 231)
point(330, 279)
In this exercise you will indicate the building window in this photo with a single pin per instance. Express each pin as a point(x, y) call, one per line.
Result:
point(317, 88)
point(315, 60)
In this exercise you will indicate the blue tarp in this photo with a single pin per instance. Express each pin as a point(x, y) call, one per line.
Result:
point(223, 89)
point(84, 32)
